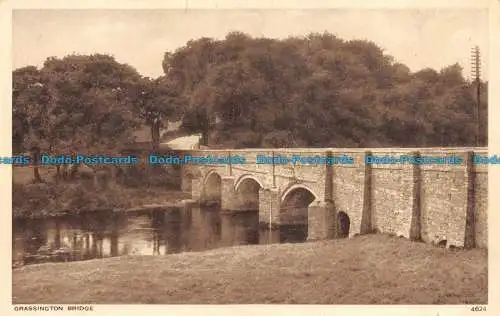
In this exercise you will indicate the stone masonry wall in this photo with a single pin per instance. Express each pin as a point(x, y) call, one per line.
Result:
point(348, 191)
point(392, 196)
point(320, 221)
point(228, 195)
point(444, 203)
point(196, 188)
point(481, 206)
point(428, 202)
point(269, 206)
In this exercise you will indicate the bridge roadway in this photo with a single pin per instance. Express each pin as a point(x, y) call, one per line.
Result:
point(432, 202)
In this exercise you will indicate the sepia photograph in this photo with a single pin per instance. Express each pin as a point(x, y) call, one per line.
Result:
point(250, 156)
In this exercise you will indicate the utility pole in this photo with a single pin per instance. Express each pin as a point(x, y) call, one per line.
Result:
point(476, 75)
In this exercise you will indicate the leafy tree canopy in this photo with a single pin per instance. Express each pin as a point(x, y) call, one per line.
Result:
point(319, 91)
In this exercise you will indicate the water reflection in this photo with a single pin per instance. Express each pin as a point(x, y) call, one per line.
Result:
point(108, 234)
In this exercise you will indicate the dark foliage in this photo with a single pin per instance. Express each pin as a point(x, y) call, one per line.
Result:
point(319, 91)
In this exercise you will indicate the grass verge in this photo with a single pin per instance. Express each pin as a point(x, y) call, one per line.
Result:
point(370, 269)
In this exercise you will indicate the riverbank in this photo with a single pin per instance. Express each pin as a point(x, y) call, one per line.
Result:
point(370, 269)
point(42, 200)
point(54, 198)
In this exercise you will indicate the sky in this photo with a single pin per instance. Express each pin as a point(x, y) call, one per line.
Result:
point(418, 38)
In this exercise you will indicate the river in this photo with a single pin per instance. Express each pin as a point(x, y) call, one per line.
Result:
point(104, 234)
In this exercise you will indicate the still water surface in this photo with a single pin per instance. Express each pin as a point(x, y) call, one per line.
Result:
point(160, 232)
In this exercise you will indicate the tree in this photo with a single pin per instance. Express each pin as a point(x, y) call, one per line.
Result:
point(80, 104)
point(303, 90)
point(31, 112)
point(186, 69)
point(155, 101)
point(90, 93)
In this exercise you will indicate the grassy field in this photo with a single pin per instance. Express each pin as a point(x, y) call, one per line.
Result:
point(371, 269)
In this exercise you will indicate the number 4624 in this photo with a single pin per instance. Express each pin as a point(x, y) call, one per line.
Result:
point(478, 308)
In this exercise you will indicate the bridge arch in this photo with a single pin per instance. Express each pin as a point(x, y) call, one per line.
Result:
point(191, 172)
point(294, 212)
point(295, 187)
point(246, 191)
point(210, 173)
point(344, 224)
point(187, 177)
point(246, 177)
point(212, 187)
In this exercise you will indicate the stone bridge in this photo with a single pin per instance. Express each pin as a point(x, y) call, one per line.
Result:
point(427, 202)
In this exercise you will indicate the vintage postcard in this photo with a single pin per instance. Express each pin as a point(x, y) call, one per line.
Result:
point(193, 157)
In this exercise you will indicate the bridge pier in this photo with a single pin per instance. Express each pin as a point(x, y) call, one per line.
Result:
point(321, 216)
point(196, 188)
point(321, 221)
point(269, 206)
point(228, 195)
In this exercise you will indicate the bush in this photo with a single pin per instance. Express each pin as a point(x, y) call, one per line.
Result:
point(35, 200)
point(151, 176)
